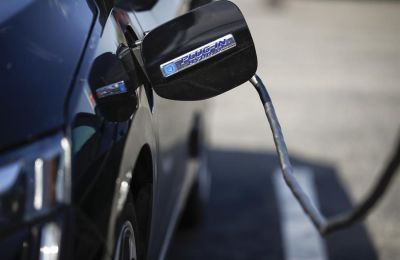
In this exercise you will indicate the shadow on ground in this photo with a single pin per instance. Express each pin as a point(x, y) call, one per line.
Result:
point(243, 217)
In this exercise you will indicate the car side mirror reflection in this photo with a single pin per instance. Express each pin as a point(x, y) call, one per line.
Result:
point(113, 88)
point(200, 54)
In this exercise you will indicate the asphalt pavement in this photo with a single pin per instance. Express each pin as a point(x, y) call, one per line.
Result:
point(245, 220)
point(333, 71)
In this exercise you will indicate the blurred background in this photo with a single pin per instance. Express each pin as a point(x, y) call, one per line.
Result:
point(333, 70)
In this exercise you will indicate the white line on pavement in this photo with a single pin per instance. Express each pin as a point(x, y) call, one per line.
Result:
point(301, 241)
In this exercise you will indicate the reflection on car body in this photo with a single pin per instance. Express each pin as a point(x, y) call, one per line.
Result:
point(71, 78)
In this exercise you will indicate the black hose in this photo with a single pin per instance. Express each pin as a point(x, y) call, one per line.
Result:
point(343, 220)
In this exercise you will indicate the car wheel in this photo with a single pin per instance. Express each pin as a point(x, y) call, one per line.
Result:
point(126, 231)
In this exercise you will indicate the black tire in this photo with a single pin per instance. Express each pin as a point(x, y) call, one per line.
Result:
point(126, 227)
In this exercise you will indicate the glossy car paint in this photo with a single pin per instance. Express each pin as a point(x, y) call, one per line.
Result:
point(193, 32)
point(52, 94)
point(41, 43)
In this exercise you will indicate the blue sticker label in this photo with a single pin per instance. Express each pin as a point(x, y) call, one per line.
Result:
point(198, 55)
point(169, 69)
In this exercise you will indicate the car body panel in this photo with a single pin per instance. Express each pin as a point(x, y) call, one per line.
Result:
point(97, 144)
point(34, 58)
point(104, 153)
point(165, 127)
